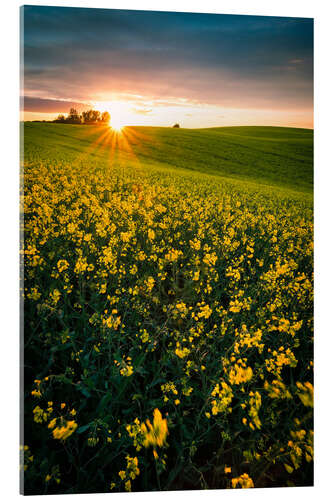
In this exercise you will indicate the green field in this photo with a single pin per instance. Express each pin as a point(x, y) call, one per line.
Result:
point(168, 308)
point(266, 155)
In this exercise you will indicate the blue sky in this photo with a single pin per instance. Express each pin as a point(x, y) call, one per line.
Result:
point(201, 67)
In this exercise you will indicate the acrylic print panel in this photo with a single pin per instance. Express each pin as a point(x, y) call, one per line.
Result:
point(168, 251)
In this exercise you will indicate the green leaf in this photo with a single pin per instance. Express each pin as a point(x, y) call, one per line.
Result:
point(84, 390)
point(82, 428)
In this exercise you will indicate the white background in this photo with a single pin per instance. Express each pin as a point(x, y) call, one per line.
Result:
point(322, 11)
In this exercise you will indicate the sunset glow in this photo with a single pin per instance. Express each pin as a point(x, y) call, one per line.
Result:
point(119, 113)
point(212, 72)
point(117, 127)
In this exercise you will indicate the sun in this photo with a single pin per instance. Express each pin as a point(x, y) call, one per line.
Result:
point(117, 123)
point(121, 113)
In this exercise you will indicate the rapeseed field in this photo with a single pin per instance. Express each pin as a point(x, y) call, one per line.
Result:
point(168, 310)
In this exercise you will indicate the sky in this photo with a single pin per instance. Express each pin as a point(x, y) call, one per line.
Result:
point(159, 68)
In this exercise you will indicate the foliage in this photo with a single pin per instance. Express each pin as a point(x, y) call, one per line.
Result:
point(91, 116)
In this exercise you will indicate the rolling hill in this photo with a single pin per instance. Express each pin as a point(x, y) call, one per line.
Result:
point(275, 156)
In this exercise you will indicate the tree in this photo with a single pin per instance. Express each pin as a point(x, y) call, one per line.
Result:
point(91, 116)
point(176, 125)
point(85, 116)
point(73, 116)
point(60, 119)
point(106, 117)
point(96, 115)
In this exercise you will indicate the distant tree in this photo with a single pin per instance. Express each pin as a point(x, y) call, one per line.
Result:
point(85, 116)
point(73, 116)
point(91, 116)
point(96, 116)
point(176, 125)
point(60, 119)
point(105, 118)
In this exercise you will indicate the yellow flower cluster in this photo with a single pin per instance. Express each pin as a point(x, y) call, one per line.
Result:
point(26, 457)
point(149, 434)
point(125, 366)
point(240, 373)
point(253, 404)
point(169, 389)
point(135, 432)
point(222, 394)
point(280, 358)
point(182, 352)
point(64, 429)
point(155, 434)
point(305, 393)
point(41, 415)
point(244, 481)
point(277, 390)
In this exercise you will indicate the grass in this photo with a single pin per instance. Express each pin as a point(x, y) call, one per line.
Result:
point(265, 155)
point(167, 279)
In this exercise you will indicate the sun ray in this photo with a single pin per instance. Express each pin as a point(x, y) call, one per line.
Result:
point(92, 147)
point(121, 151)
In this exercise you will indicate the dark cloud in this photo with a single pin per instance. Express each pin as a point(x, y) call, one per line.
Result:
point(76, 53)
point(36, 104)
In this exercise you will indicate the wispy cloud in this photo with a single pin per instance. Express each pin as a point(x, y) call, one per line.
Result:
point(139, 111)
point(296, 61)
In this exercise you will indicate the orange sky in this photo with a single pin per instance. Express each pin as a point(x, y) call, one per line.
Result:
point(190, 116)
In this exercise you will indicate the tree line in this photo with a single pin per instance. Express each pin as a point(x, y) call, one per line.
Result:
point(90, 117)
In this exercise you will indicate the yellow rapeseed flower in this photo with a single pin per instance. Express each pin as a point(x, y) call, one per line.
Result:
point(244, 481)
point(155, 434)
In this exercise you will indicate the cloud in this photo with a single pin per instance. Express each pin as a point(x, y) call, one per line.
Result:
point(238, 61)
point(142, 111)
point(296, 61)
point(36, 104)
